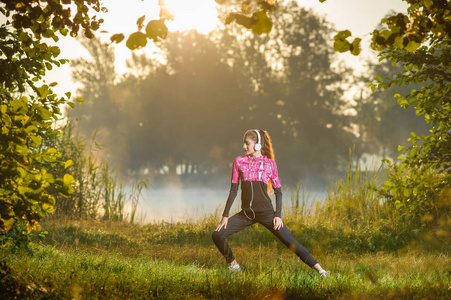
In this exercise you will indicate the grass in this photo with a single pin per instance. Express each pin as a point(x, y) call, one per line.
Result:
point(370, 253)
point(104, 260)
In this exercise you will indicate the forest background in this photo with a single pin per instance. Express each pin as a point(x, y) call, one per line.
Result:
point(192, 103)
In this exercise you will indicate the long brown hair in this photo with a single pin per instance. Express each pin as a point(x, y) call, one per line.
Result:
point(267, 149)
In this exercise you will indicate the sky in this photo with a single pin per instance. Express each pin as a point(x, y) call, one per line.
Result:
point(358, 16)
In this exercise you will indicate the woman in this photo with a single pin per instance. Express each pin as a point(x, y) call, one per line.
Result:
point(257, 170)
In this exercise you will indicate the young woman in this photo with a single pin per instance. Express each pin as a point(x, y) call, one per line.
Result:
point(257, 171)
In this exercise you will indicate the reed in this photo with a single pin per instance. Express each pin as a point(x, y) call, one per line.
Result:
point(98, 191)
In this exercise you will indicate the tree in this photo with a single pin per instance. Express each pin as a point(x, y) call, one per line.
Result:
point(25, 162)
point(97, 76)
point(383, 124)
point(420, 42)
point(184, 109)
point(195, 106)
point(296, 93)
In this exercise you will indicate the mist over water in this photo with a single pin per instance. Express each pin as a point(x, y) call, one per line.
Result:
point(179, 205)
point(173, 205)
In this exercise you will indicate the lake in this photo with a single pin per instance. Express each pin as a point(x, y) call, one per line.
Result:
point(174, 205)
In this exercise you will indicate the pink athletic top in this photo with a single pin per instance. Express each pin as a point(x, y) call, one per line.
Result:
point(256, 169)
point(254, 174)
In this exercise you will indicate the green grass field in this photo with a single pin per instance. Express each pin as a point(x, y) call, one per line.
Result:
point(104, 260)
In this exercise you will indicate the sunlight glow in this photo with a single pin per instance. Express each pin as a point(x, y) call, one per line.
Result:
point(194, 14)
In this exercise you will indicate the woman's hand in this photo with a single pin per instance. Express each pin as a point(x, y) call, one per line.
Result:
point(277, 223)
point(223, 223)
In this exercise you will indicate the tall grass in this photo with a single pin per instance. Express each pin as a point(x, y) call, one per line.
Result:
point(354, 217)
point(98, 192)
point(354, 201)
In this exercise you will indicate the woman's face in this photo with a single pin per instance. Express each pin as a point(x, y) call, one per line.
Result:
point(249, 146)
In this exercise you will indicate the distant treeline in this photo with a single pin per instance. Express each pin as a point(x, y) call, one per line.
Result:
point(179, 115)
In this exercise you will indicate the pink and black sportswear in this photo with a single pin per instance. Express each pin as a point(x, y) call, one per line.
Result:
point(254, 173)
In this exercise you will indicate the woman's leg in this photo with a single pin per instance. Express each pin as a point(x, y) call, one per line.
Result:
point(235, 224)
point(284, 235)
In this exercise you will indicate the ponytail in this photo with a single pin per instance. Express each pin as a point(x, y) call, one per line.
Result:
point(267, 149)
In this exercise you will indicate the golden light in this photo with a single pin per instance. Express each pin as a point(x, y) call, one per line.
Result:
point(200, 15)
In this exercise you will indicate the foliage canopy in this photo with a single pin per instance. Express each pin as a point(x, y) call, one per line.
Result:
point(420, 41)
point(26, 162)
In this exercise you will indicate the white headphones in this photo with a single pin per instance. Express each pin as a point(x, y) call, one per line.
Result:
point(258, 146)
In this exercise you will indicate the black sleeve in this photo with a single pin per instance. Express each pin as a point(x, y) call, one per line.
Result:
point(278, 193)
point(232, 195)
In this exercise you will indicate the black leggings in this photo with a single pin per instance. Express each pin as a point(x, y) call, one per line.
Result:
point(239, 221)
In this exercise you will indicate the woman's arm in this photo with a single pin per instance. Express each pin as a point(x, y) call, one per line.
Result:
point(232, 195)
point(277, 189)
point(278, 193)
point(233, 188)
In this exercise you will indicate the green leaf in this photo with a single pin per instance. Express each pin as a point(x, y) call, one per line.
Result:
point(378, 78)
point(407, 192)
point(355, 46)
point(388, 183)
point(140, 22)
point(117, 38)
point(68, 163)
point(399, 43)
point(22, 172)
point(428, 3)
point(156, 30)
point(136, 40)
point(43, 91)
point(22, 190)
point(240, 19)
point(68, 179)
point(48, 177)
point(342, 46)
point(412, 46)
point(31, 129)
point(35, 140)
point(263, 23)
point(44, 113)
point(80, 100)
point(52, 151)
point(341, 35)
point(48, 208)
point(18, 107)
point(55, 50)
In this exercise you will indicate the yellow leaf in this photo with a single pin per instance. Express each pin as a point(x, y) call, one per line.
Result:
point(8, 224)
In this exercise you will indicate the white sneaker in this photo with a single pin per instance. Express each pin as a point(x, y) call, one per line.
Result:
point(324, 273)
point(234, 268)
